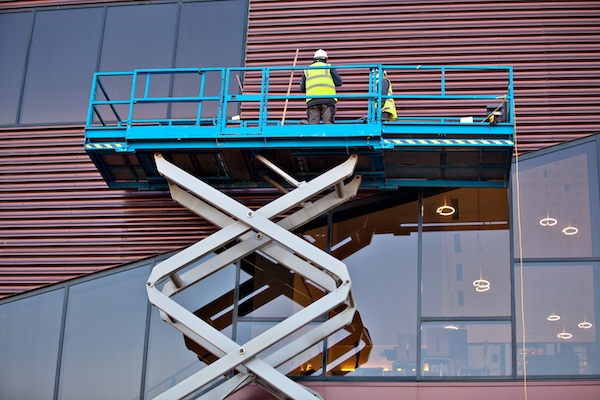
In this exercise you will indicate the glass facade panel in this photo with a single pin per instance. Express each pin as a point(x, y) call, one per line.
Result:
point(172, 356)
point(560, 315)
point(308, 363)
point(466, 263)
point(169, 359)
point(558, 197)
point(29, 341)
point(380, 249)
point(202, 44)
point(15, 31)
point(141, 37)
point(61, 64)
point(201, 40)
point(466, 349)
point(138, 37)
point(104, 331)
point(58, 73)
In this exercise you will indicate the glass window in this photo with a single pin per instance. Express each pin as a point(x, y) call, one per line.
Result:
point(308, 363)
point(380, 251)
point(15, 29)
point(466, 263)
point(173, 357)
point(169, 360)
point(138, 37)
point(61, 64)
point(558, 197)
point(29, 339)
point(560, 316)
point(202, 43)
point(104, 330)
point(466, 349)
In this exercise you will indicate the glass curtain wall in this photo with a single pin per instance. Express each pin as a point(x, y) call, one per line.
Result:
point(465, 302)
point(30, 337)
point(47, 72)
point(557, 264)
point(399, 243)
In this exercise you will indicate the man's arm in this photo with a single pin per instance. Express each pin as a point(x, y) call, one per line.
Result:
point(337, 79)
point(385, 87)
point(303, 84)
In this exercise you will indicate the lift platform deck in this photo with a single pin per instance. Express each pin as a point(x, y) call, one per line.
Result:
point(455, 126)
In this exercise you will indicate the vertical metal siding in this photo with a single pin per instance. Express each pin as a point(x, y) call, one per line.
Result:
point(552, 45)
point(58, 219)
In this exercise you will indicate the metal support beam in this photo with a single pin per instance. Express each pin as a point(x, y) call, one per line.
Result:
point(246, 231)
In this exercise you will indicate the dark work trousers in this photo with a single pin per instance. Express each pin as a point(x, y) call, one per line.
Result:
point(321, 112)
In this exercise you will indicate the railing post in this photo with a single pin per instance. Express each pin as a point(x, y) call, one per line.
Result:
point(264, 101)
point(200, 95)
point(131, 102)
point(443, 81)
point(223, 93)
point(147, 87)
point(511, 98)
point(90, 114)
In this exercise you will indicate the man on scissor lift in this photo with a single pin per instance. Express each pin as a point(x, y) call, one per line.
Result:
point(320, 82)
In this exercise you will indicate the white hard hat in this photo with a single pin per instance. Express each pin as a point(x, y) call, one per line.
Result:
point(320, 54)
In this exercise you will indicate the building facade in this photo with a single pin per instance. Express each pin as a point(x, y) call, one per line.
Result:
point(498, 298)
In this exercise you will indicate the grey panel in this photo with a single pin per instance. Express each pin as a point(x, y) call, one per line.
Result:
point(15, 30)
point(61, 64)
point(29, 343)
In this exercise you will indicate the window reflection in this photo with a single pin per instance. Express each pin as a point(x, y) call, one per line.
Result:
point(29, 343)
point(15, 29)
point(466, 255)
point(105, 320)
point(465, 349)
point(169, 361)
point(564, 344)
point(380, 249)
point(308, 363)
point(60, 65)
point(557, 191)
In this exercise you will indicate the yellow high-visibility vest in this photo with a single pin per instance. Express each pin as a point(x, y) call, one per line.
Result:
point(319, 81)
point(390, 106)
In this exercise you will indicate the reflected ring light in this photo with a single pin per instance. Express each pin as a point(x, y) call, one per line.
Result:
point(553, 317)
point(564, 335)
point(548, 221)
point(585, 325)
point(481, 285)
point(445, 210)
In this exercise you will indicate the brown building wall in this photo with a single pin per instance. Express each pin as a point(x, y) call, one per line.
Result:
point(59, 220)
point(552, 46)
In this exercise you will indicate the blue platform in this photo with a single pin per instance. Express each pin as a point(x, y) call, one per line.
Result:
point(454, 129)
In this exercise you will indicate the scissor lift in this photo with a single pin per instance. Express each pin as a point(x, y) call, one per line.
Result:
point(200, 132)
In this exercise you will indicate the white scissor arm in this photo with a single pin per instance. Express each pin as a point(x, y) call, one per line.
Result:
point(242, 232)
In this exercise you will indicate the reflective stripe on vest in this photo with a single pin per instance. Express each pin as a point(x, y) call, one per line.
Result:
point(390, 106)
point(319, 81)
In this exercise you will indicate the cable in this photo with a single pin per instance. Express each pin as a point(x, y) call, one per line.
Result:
point(521, 286)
